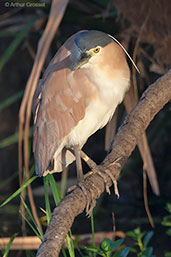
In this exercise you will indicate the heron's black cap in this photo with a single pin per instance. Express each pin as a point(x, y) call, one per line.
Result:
point(88, 39)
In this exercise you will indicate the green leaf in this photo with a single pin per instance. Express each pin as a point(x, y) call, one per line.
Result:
point(55, 189)
point(137, 231)
point(64, 252)
point(9, 245)
point(10, 100)
point(116, 244)
point(133, 250)
point(77, 246)
point(168, 232)
point(135, 234)
point(31, 226)
point(106, 245)
point(131, 234)
point(168, 207)
point(57, 198)
point(92, 228)
point(147, 238)
point(109, 245)
point(39, 234)
point(139, 240)
point(95, 250)
point(166, 221)
point(13, 139)
point(122, 253)
point(70, 248)
point(91, 249)
point(19, 191)
point(47, 203)
point(15, 43)
point(72, 241)
point(168, 254)
point(140, 236)
point(9, 140)
point(147, 253)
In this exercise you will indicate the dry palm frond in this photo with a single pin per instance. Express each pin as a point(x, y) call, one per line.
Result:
point(129, 102)
point(56, 13)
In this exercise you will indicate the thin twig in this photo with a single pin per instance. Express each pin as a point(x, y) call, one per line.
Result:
point(146, 199)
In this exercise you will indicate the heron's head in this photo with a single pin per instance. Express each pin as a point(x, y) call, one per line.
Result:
point(90, 43)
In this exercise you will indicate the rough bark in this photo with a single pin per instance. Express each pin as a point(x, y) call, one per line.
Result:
point(151, 102)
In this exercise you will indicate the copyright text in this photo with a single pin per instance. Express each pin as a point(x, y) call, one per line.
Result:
point(26, 4)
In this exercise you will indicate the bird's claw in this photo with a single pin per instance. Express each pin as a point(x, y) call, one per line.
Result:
point(114, 181)
point(103, 176)
point(89, 202)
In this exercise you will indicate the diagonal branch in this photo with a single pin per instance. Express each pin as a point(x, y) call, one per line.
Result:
point(151, 102)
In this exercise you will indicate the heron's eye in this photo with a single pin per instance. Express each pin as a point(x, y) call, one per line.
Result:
point(96, 50)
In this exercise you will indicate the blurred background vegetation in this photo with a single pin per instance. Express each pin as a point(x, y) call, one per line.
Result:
point(21, 26)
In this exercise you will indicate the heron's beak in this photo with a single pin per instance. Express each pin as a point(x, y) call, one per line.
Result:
point(84, 58)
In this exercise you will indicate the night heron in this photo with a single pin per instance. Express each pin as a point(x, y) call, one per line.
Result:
point(78, 94)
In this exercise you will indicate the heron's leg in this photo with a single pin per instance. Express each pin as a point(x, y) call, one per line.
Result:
point(80, 176)
point(88, 160)
point(101, 173)
point(95, 168)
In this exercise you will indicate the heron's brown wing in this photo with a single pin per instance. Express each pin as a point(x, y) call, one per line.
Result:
point(60, 107)
point(59, 104)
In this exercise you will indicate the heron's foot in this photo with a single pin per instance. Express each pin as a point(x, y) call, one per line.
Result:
point(104, 174)
point(95, 168)
point(90, 202)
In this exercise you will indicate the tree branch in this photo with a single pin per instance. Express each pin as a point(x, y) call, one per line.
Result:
point(151, 102)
